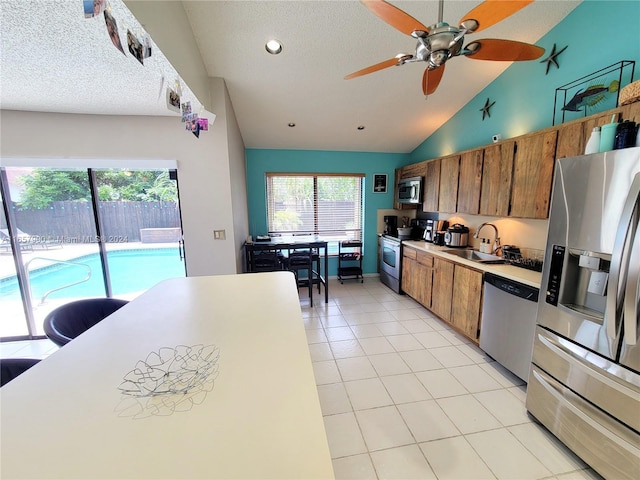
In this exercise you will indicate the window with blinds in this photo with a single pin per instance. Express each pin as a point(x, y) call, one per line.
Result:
point(326, 205)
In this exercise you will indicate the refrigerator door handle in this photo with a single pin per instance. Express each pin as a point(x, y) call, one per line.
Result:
point(618, 272)
point(631, 294)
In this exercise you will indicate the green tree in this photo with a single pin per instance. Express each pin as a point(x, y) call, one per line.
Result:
point(44, 186)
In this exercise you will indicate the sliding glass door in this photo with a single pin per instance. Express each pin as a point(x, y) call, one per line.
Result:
point(139, 219)
point(69, 234)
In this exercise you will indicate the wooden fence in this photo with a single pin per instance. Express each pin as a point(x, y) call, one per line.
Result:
point(73, 220)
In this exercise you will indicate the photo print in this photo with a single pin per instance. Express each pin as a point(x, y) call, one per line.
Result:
point(191, 122)
point(173, 100)
point(203, 123)
point(93, 8)
point(135, 47)
point(186, 111)
point(146, 42)
point(112, 30)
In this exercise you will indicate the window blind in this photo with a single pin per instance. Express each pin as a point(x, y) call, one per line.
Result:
point(326, 205)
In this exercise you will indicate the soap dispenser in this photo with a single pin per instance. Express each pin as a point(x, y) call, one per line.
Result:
point(593, 144)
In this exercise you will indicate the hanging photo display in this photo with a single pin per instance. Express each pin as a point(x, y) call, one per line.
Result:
point(112, 30)
point(135, 47)
point(93, 8)
point(173, 100)
point(192, 123)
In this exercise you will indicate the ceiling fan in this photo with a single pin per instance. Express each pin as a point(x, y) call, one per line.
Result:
point(441, 41)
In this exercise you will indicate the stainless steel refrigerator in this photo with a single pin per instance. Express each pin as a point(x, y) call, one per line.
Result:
point(584, 383)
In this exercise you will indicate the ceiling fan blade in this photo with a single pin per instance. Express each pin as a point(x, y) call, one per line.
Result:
point(374, 68)
point(394, 16)
point(503, 50)
point(431, 79)
point(491, 12)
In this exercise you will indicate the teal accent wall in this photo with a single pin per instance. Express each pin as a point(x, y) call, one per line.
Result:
point(598, 33)
point(260, 161)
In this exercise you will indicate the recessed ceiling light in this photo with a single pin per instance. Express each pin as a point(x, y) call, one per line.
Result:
point(274, 47)
point(291, 124)
point(360, 127)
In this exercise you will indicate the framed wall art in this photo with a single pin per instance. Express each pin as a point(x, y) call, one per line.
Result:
point(379, 183)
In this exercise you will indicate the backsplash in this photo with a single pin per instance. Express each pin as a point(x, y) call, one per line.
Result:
point(522, 232)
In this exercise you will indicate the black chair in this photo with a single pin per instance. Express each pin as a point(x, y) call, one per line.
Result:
point(10, 368)
point(264, 258)
point(302, 260)
point(70, 320)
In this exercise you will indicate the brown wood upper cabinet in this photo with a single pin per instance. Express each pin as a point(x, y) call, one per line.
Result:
point(449, 172)
point(497, 170)
point(532, 174)
point(431, 189)
point(470, 182)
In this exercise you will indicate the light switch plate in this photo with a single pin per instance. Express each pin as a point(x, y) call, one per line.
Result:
point(219, 235)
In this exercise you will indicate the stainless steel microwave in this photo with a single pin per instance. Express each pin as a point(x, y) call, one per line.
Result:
point(410, 190)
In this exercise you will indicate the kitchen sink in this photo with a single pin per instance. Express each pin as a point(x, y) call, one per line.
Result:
point(475, 256)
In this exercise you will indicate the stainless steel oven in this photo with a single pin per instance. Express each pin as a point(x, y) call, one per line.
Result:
point(390, 268)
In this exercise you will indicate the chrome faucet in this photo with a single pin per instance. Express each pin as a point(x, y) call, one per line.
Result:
point(496, 240)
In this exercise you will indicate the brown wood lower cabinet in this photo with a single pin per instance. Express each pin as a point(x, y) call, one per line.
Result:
point(442, 290)
point(466, 309)
point(450, 290)
point(417, 275)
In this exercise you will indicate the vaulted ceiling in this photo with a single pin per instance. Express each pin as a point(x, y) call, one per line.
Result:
point(54, 59)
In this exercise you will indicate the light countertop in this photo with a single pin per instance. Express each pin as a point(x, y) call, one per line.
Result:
point(251, 409)
point(519, 274)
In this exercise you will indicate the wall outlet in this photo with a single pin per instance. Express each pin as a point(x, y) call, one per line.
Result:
point(219, 235)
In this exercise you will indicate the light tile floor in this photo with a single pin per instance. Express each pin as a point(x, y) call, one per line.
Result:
point(405, 397)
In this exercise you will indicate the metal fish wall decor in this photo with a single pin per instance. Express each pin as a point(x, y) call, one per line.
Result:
point(591, 96)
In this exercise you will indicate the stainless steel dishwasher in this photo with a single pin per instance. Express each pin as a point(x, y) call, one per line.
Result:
point(508, 323)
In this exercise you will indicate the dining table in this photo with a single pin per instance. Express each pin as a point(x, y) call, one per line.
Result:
point(288, 243)
point(199, 377)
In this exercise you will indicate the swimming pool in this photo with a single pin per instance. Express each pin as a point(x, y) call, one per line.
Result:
point(130, 271)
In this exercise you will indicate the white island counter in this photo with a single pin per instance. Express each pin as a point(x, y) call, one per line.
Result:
point(236, 348)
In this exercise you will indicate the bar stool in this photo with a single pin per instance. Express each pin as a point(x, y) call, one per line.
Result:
point(302, 260)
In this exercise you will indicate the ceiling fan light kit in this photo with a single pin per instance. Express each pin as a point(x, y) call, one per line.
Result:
point(440, 42)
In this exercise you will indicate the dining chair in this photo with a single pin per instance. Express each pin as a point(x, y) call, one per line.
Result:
point(11, 368)
point(71, 319)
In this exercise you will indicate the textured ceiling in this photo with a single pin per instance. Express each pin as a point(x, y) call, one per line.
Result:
point(53, 59)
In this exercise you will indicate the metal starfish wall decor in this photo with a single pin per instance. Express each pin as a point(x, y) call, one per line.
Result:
point(487, 106)
point(552, 59)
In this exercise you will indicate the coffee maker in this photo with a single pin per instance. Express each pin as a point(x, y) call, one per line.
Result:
point(432, 227)
point(391, 225)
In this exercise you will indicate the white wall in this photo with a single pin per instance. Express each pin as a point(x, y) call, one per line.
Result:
point(204, 167)
point(238, 177)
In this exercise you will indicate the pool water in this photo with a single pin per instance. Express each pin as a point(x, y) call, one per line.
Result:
point(130, 271)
